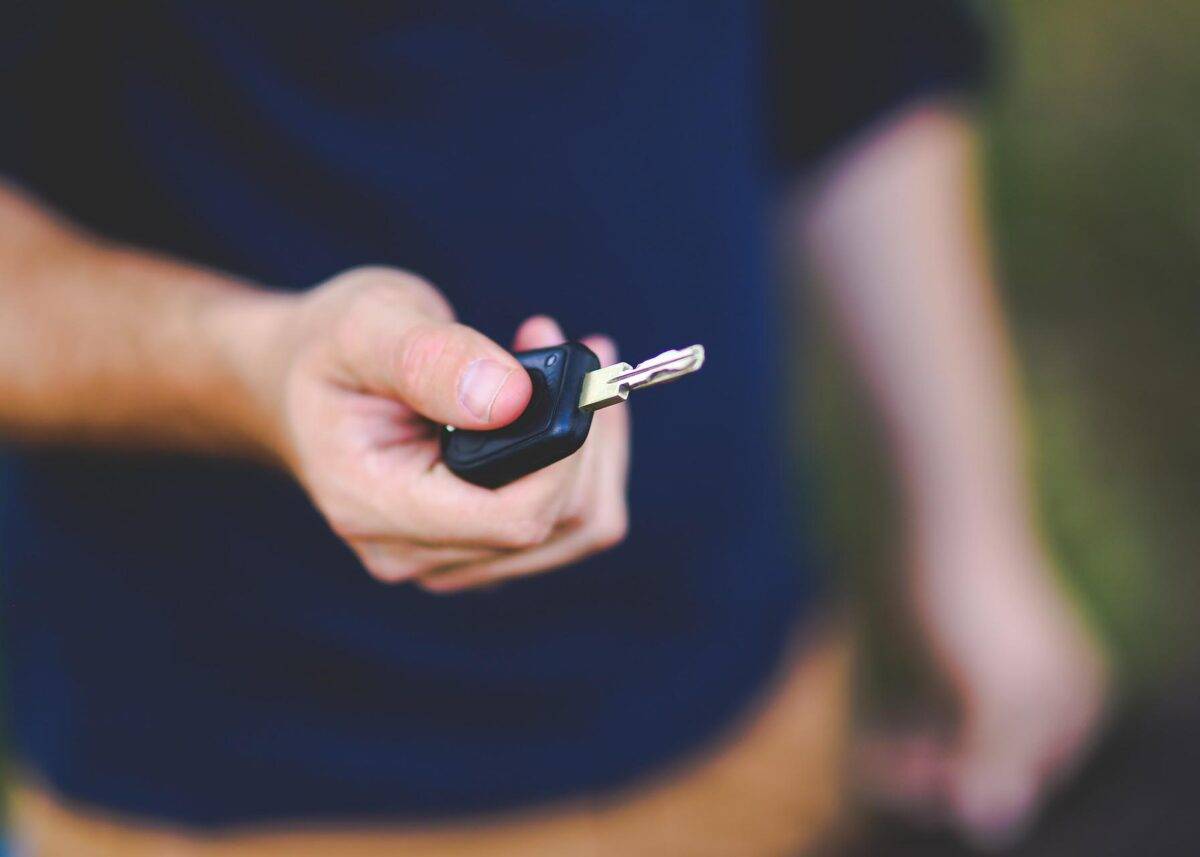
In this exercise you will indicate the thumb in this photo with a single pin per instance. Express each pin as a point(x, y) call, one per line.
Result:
point(452, 374)
point(446, 372)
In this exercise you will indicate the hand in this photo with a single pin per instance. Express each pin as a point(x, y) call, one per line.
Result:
point(1031, 682)
point(373, 365)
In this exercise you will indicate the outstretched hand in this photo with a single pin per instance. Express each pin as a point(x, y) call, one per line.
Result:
point(373, 365)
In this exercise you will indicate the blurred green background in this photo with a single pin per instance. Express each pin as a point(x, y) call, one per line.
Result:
point(1092, 137)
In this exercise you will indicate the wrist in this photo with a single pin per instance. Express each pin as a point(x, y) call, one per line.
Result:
point(213, 355)
point(248, 332)
point(970, 518)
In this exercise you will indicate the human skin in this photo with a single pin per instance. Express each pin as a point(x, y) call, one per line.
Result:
point(895, 231)
point(342, 386)
point(111, 346)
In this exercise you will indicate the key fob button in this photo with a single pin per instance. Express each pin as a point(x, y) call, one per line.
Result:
point(551, 428)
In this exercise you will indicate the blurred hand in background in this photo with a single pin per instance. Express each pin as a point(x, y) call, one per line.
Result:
point(895, 228)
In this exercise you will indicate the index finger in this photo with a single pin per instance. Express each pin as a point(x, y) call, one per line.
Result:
point(442, 508)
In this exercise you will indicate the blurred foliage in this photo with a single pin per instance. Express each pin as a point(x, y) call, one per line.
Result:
point(1094, 177)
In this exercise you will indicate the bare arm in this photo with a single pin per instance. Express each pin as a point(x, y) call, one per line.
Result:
point(107, 345)
point(897, 236)
point(896, 232)
point(102, 344)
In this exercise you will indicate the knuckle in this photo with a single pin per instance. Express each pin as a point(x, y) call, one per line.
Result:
point(525, 533)
point(553, 492)
point(348, 529)
point(388, 564)
point(376, 296)
point(574, 516)
point(394, 570)
point(421, 349)
point(380, 278)
point(611, 530)
point(365, 288)
point(360, 274)
point(435, 587)
point(377, 286)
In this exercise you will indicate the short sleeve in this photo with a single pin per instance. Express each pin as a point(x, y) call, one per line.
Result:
point(835, 70)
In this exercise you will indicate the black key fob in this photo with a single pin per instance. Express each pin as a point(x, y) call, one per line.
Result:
point(550, 429)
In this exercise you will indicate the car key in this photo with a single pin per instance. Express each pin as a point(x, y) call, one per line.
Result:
point(569, 385)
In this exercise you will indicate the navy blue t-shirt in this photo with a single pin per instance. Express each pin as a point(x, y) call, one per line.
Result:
point(184, 637)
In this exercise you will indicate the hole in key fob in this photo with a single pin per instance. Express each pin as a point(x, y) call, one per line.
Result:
point(552, 427)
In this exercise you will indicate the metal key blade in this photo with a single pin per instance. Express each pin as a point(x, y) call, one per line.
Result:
point(665, 367)
point(612, 384)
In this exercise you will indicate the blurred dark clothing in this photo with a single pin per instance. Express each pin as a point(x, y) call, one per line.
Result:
point(836, 66)
point(185, 637)
point(742, 796)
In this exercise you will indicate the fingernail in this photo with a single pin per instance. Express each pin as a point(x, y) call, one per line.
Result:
point(480, 385)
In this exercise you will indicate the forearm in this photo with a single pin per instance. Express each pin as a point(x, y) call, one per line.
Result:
point(895, 233)
point(895, 230)
point(102, 344)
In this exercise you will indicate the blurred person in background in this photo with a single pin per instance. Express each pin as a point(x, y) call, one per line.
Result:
point(204, 462)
